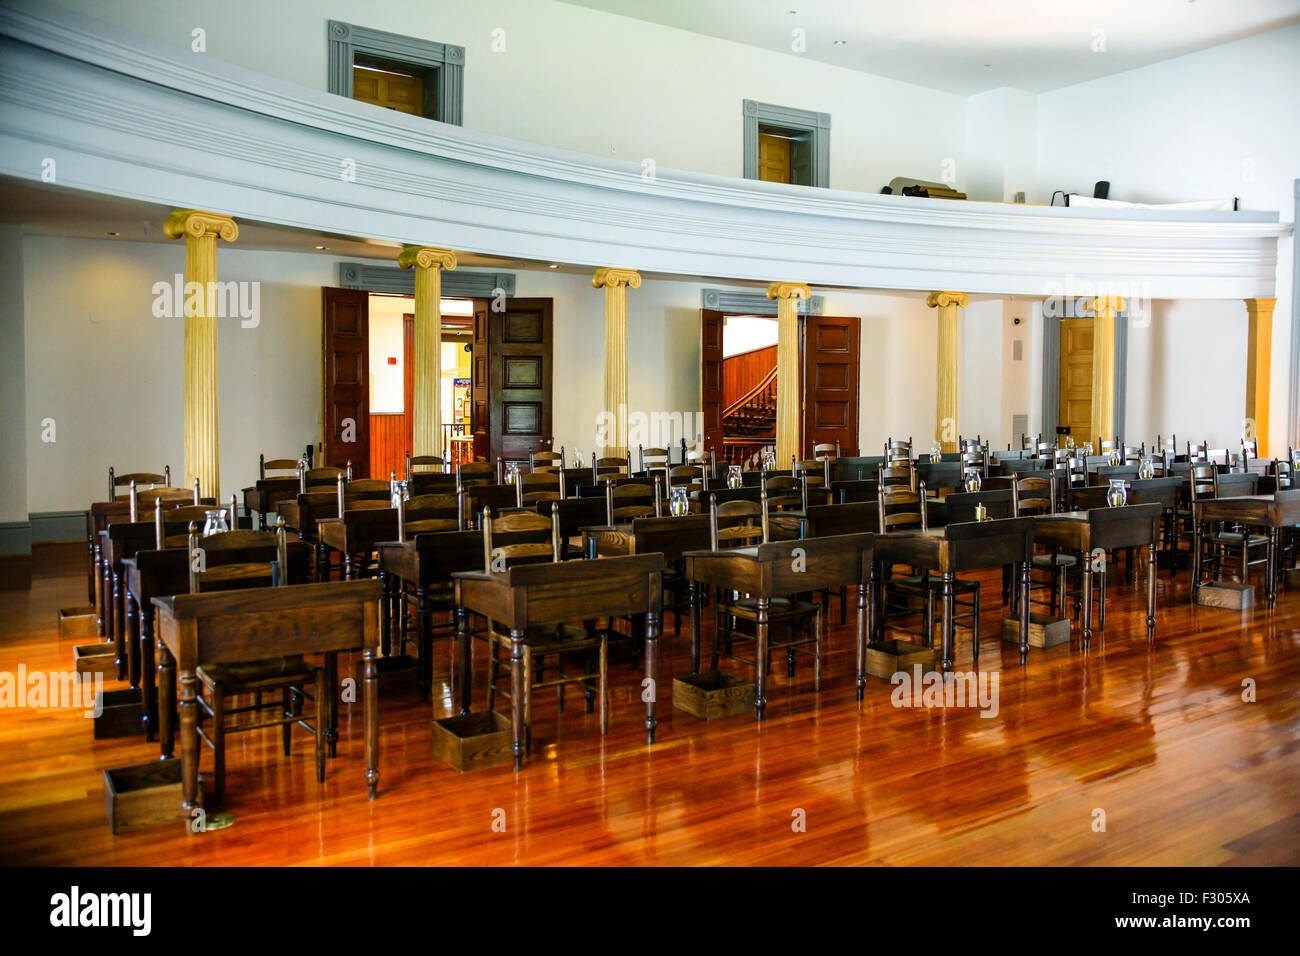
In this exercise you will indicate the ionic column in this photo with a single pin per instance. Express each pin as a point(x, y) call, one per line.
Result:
point(1259, 346)
point(201, 231)
point(426, 359)
point(788, 400)
point(1104, 309)
point(945, 406)
point(616, 282)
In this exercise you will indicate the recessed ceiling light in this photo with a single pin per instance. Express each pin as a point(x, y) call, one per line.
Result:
point(322, 247)
point(839, 42)
point(113, 234)
point(553, 265)
point(988, 66)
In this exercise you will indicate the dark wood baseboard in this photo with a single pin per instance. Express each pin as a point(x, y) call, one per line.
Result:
point(58, 558)
point(15, 572)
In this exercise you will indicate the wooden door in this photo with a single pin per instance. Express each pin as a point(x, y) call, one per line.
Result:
point(711, 386)
point(345, 378)
point(830, 382)
point(773, 158)
point(1075, 408)
point(512, 380)
point(394, 91)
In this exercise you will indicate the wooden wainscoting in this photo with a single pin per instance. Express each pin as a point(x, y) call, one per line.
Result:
point(388, 439)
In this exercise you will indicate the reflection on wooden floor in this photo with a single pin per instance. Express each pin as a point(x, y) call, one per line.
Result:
point(1155, 735)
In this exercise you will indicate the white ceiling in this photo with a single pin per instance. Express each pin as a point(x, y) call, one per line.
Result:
point(970, 46)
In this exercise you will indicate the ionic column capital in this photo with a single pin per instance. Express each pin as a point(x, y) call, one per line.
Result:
point(196, 223)
point(426, 257)
point(944, 299)
point(789, 290)
point(613, 278)
point(1107, 305)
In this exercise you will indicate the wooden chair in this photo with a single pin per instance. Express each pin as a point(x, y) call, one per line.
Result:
point(139, 501)
point(1224, 543)
point(432, 463)
point(694, 477)
point(475, 473)
point(830, 450)
point(1029, 442)
point(632, 499)
point(423, 514)
point(1198, 451)
point(653, 459)
point(784, 493)
point(816, 473)
point(241, 559)
point(526, 537)
point(901, 473)
point(171, 524)
point(740, 523)
point(607, 467)
point(1132, 454)
point(898, 451)
point(139, 478)
point(265, 464)
point(318, 479)
point(1166, 448)
point(545, 485)
point(1038, 496)
point(546, 461)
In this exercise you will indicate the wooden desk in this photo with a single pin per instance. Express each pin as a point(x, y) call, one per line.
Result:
point(117, 542)
point(671, 537)
point(771, 570)
point(151, 574)
point(1270, 512)
point(1083, 533)
point(98, 518)
point(968, 546)
point(532, 595)
point(424, 562)
point(249, 625)
point(266, 494)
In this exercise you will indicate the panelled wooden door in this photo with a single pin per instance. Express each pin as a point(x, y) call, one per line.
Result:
point(830, 382)
point(773, 158)
point(394, 91)
point(711, 326)
point(512, 380)
point(345, 377)
point(1075, 408)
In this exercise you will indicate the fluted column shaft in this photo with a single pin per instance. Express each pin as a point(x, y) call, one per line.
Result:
point(789, 402)
point(201, 231)
point(615, 283)
point(426, 358)
point(945, 406)
point(1104, 308)
point(1259, 355)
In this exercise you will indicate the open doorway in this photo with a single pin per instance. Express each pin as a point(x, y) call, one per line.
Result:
point(368, 385)
point(738, 384)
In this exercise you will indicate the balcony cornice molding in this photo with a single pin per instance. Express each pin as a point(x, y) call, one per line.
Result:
point(129, 117)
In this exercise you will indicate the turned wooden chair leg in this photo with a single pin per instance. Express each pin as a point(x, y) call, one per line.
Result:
point(494, 668)
point(604, 684)
point(219, 743)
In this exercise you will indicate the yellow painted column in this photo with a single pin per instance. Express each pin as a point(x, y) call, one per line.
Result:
point(426, 358)
point(789, 402)
point(201, 231)
point(1259, 354)
point(945, 406)
point(1104, 309)
point(615, 282)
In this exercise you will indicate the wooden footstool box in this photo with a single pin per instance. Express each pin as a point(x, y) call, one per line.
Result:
point(887, 658)
point(122, 714)
point(144, 795)
point(76, 623)
point(1044, 630)
point(396, 673)
point(90, 659)
point(713, 694)
point(473, 741)
point(1229, 594)
point(1291, 578)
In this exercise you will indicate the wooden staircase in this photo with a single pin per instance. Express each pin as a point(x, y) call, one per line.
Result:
point(749, 423)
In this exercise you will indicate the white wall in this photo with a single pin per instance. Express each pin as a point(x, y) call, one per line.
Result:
point(1213, 124)
point(111, 374)
point(579, 78)
point(980, 372)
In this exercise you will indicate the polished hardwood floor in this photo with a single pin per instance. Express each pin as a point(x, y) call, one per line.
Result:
point(1156, 735)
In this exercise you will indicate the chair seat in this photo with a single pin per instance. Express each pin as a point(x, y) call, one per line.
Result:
point(779, 609)
point(1055, 560)
point(253, 675)
point(1235, 537)
point(919, 583)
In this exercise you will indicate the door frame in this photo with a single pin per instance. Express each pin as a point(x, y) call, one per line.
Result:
point(1053, 310)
